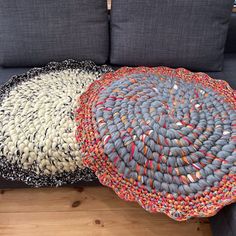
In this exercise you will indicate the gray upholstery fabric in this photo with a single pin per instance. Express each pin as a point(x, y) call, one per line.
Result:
point(229, 72)
point(35, 32)
point(186, 33)
point(230, 46)
point(223, 223)
point(7, 73)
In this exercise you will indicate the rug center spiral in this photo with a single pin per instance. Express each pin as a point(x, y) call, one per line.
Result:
point(166, 134)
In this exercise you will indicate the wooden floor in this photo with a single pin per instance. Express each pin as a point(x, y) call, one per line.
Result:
point(84, 211)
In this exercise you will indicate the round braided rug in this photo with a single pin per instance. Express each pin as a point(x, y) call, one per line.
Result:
point(37, 126)
point(165, 138)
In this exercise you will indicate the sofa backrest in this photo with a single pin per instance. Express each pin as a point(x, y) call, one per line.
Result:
point(99, 53)
point(33, 33)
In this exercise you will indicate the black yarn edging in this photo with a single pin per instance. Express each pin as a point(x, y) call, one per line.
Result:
point(12, 171)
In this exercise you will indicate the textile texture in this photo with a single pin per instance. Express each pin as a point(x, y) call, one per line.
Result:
point(162, 137)
point(33, 33)
point(37, 127)
point(186, 33)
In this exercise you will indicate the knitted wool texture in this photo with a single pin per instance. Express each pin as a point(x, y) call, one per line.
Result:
point(37, 126)
point(162, 137)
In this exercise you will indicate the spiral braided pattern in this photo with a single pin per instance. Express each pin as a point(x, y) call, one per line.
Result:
point(37, 127)
point(162, 137)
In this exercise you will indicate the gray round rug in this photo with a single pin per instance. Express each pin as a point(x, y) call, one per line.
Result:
point(165, 138)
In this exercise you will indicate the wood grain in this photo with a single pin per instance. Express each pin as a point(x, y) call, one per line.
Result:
point(89, 211)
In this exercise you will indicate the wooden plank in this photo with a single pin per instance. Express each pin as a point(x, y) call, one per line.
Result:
point(61, 199)
point(105, 223)
point(95, 211)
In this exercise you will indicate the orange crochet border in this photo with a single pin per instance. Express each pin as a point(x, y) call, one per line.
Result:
point(181, 208)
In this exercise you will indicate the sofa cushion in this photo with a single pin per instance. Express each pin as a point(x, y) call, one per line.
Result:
point(7, 73)
point(36, 32)
point(230, 46)
point(186, 33)
point(229, 72)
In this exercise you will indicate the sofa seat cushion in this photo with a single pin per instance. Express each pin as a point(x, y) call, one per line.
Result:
point(228, 74)
point(7, 73)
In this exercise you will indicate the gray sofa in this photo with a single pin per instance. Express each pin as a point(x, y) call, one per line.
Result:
point(224, 223)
